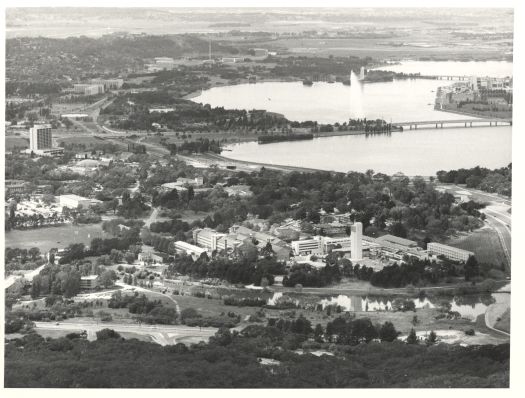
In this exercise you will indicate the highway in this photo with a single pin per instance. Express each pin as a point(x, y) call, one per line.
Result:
point(161, 334)
point(28, 276)
point(497, 212)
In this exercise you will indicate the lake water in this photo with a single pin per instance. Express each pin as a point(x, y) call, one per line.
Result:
point(397, 101)
point(421, 152)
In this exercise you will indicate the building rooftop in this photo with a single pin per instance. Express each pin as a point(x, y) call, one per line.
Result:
point(89, 277)
point(397, 240)
point(73, 197)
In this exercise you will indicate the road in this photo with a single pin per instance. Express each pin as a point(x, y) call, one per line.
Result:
point(161, 334)
point(497, 212)
point(152, 217)
point(28, 276)
point(501, 224)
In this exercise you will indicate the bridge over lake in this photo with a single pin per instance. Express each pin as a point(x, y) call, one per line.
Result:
point(454, 123)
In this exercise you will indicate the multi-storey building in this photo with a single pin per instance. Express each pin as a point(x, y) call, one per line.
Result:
point(207, 238)
point(40, 137)
point(109, 84)
point(88, 89)
point(89, 282)
point(356, 238)
point(188, 248)
point(452, 253)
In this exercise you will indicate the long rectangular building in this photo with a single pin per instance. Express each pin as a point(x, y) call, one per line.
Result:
point(188, 248)
point(452, 253)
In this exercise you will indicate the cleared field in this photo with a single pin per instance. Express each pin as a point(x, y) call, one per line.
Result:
point(214, 307)
point(484, 243)
point(504, 322)
point(12, 142)
point(86, 140)
point(49, 237)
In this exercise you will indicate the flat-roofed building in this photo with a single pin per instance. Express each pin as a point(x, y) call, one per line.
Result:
point(15, 186)
point(397, 240)
point(40, 137)
point(89, 282)
point(109, 84)
point(189, 249)
point(207, 238)
point(307, 246)
point(88, 89)
point(73, 201)
point(452, 253)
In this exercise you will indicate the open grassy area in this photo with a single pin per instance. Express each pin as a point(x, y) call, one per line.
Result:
point(484, 243)
point(504, 322)
point(13, 141)
point(86, 140)
point(49, 237)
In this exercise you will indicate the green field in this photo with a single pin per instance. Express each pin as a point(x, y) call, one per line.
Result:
point(86, 140)
point(484, 243)
point(504, 322)
point(14, 141)
point(49, 237)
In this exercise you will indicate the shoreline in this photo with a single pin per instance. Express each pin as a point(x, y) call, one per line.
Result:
point(474, 115)
point(239, 82)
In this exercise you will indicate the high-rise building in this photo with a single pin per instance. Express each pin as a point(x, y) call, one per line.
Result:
point(356, 236)
point(362, 73)
point(40, 137)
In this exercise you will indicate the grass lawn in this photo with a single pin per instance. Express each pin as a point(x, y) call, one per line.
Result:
point(77, 139)
point(484, 243)
point(12, 142)
point(212, 307)
point(49, 237)
point(504, 322)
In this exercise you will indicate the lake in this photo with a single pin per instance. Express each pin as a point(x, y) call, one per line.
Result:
point(468, 306)
point(413, 152)
point(421, 152)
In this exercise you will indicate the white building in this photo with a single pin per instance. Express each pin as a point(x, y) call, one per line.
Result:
point(88, 89)
point(356, 236)
point(89, 282)
point(452, 253)
point(109, 84)
point(40, 137)
point(189, 249)
point(41, 141)
point(73, 201)
point(161, 110)
point(207, 238)
point(307, 246)
point(232, 60)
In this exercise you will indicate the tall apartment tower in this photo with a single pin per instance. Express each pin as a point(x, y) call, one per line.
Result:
point(356, 238)
point(362, 73)
point(40, 137)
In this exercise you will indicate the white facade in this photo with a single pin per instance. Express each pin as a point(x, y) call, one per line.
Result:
point(88, 89)
point(356, 237)
point(40, 137)
point(189, 249)
point(109, 84)
point(207, 238)
point(73, 201)
point(307, 246)
point(452, 253)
